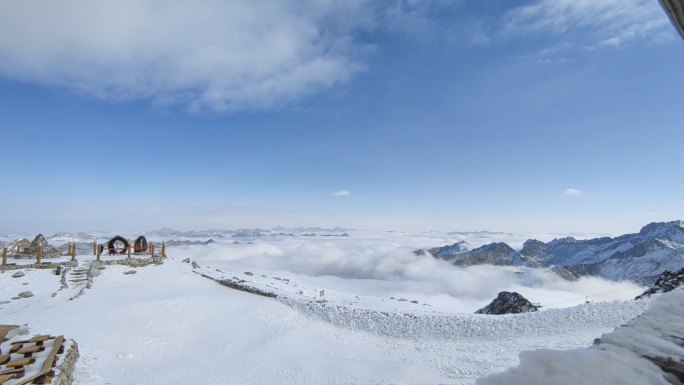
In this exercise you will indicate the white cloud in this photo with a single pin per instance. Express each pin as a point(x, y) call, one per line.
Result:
point(606, 22)
point(383, 264)
point(207, 55)
point(571, 192)
point(342, 193)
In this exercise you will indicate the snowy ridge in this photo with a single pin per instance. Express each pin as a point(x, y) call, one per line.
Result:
point(456, 326)
point(372, 314)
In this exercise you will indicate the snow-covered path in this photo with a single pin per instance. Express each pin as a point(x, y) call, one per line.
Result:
point(167, 325)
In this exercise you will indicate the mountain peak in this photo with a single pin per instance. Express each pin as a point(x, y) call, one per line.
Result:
point(660, 228)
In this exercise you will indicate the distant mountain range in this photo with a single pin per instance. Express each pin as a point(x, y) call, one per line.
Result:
point(639, 257)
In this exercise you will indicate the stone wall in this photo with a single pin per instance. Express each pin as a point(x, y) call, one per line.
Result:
point(42, 265)
point(136, 262)
point(64, 373)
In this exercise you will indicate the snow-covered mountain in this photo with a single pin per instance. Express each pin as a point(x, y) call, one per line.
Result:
point(639, 257)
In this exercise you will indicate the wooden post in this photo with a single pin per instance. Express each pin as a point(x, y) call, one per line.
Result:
point(94, 248)
point(4, 256)
point(18, 251)
point(39, 254)
point(73, 252)
point(163, 253)
point(129, 250)
point(152, 249)
point(98, 254)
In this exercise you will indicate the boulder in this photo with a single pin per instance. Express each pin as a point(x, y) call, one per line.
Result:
point(508, 303)
point(25, 294)
point(18, 274)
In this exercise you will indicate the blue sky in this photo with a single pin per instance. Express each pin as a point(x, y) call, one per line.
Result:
point(431, 115)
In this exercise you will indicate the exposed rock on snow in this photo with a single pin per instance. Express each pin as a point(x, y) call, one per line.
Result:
point(564, 273)
point(667, 281)
point(648, 350)
point(18, 274)
point(25, 294)
point(508, 303)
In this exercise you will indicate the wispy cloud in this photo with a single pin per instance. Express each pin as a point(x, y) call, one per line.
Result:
point(206, 55)
point(571, 192)
point(342, 193)
point(602, 23)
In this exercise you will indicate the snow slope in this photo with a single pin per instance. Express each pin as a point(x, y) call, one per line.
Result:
point(166, 324)
point(631, 355)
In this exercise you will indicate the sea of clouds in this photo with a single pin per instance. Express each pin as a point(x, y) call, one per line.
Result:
point(384, 265)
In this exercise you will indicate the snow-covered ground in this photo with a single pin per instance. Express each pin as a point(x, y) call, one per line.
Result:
point(167, 324)
point(359, 309)
point(634, 354)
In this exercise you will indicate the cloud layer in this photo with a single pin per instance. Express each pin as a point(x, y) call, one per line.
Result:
point(207, 55)
point(383, 265)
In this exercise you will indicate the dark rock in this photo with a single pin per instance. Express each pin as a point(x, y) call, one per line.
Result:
point(18, 274)
point(667, 281)
point(508, 303)
point(25, 294)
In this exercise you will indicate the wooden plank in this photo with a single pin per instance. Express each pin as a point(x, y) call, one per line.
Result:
point(49, 362)
point(4, 358)
point(5, 377)
point(40, 338)
point(20, 362)
point(4, 329)
point(51, 358)
point(13, 372)
point(31, 350)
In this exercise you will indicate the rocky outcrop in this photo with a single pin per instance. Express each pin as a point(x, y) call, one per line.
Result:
point(564, 273)
point(23, 248)
point(508, 303)
point(667, 281)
